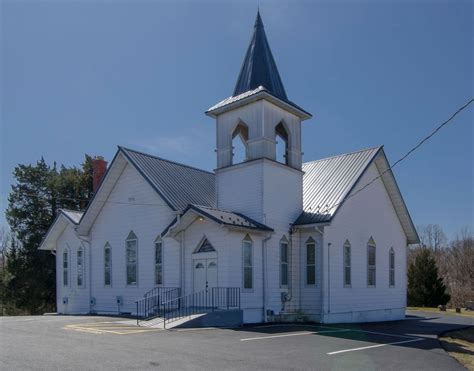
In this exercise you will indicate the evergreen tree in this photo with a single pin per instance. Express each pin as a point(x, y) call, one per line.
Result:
point(40, 190)
point(425, 287)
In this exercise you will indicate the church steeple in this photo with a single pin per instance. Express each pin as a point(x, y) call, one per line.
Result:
point(259, 68)
point(258, 122)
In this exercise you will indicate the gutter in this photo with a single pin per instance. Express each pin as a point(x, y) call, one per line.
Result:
point(290, 265)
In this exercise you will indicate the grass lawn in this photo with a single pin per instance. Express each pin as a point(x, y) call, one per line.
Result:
point(465, 313)
point(460, 345)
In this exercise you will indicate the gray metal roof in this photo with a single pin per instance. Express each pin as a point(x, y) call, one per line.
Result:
point(328, 181)
point(259, 67)
point(223, 217)
point(230, 218)
point(74, 216)
point(179, 185)
point(63, 218)
point(236, 98)
point(258, 73)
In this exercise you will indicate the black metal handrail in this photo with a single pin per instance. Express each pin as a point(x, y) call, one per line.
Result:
point(155, 291)
point(151, 306)
point(215, 298)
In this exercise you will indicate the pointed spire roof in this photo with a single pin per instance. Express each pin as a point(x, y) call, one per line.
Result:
point(259, 68)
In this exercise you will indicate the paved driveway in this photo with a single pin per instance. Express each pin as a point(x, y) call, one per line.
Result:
point(87, 343)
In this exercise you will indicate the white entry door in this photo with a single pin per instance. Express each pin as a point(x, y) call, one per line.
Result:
point(205, 274)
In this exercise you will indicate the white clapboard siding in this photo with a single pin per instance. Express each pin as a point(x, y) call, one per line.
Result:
point(132, 205)
point(239, 189)
point(77, 296)
point(368, 214)
point(261, 118)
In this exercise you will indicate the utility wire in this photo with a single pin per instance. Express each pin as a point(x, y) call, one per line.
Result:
point(438, 128)
point(328, 208)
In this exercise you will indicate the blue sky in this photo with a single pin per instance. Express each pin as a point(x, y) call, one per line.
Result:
point(84, 76)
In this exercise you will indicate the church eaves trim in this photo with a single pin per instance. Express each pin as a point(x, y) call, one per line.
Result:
point(201, 210)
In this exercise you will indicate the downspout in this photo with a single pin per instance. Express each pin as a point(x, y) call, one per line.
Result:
point(290, 265)
point(300, 270)
point(264, 273)
point(183, 270)
point(329, 279)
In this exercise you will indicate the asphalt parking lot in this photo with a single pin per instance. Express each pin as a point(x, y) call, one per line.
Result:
point(91, 343)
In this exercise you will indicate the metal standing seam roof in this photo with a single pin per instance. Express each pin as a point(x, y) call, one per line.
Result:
point(62, 217)
point(74, 216)
point(223, 217)
point(259, 67)
point(328, 181)
point(258, 72)
point(230, 218)
point(178, 184)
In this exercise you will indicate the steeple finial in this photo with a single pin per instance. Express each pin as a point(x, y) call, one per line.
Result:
point(259, 68)
point(258, 20)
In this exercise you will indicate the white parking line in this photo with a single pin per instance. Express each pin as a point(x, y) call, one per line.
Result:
point(294, 334)
point(374, 346)
point(385, 334)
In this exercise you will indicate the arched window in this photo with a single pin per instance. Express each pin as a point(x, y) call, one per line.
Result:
point(158, 261)
point(132, 258)
point(247, 263)
point(310, 261)
point(65, 267)
point(282, 140)
point(284, 257)
point(240, 136)
point(347, 263)
point(107, 265)
point(391, 265)
point(371, 263)
point(80, 267)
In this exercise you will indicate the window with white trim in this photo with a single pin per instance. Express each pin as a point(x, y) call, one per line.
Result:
point(65, 268)
point(371, 263)
point(132, 258)
point(247, 263)
point(284, 261)
point(347, 263)
point(311, 261)
point(80, 267)
point(158, 262)
point(391, 264)
point(107, 265)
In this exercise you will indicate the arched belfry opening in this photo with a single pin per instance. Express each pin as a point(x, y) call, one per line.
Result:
point(282, 142)
point(240, 136)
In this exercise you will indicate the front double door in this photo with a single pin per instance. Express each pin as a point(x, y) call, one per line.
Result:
point(205, 279)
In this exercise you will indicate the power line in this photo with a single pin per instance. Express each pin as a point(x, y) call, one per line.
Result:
point(438, 128)
point(416, 147)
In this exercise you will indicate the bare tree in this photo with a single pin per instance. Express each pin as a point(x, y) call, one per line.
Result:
point(432, 236)
point(458, 264)
point(455, 260)
point(5, 241)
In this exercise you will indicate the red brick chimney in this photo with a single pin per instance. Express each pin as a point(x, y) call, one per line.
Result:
point(99, 167)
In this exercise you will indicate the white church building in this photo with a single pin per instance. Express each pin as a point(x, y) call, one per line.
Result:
point(275, 239)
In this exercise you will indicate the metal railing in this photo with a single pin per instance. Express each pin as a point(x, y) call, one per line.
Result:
point(215, 298)
point(152, 303)
point(159, 291)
